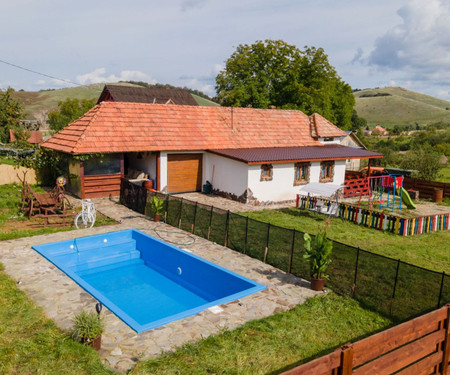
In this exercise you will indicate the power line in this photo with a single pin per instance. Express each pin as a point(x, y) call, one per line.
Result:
point(42, 74)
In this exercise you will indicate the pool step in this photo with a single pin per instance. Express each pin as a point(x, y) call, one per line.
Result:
point(109, 267)
point(81, 245)
point(105, 260)
point(96, 254)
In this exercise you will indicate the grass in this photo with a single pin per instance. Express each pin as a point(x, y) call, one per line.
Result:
point(444, 174)
point(426, 250)
point(267, 345)
point(7, 160)
point(14, 224)
point(32, 344)
point(402, 107)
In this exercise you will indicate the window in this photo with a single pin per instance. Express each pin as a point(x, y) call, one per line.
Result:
point(328, 139)
point(107, 164)
point(301, 176)
point(266, 172)
point(326, 171)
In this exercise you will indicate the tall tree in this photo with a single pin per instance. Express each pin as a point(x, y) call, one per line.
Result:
point(276, 73)
point(69, 110)
point(10, 113)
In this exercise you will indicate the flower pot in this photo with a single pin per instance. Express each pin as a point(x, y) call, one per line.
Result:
point(148, 184)
point(96, 343)
point(317, 284)
point(157, 218)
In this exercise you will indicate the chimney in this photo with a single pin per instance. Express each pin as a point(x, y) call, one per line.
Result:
point(272, 106)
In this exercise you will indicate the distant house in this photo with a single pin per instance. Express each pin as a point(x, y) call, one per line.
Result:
point(118, 93)
point(251, 155)
point(352, 140)
point(379, 130)
point(34, 136)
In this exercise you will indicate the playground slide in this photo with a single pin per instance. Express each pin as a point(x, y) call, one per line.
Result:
point(407, 199)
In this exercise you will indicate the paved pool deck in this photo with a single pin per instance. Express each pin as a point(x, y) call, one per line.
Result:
point(61, 298)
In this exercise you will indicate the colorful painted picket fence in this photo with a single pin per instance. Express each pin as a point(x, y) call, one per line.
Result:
point(376, 219)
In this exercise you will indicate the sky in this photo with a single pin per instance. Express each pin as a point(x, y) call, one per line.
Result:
point(379, 43)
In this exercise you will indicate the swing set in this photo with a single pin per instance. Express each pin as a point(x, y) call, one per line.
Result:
point(386, 190)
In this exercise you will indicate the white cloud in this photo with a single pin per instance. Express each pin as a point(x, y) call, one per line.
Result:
point(419, 46)
point(40, 82)
point(204, 83)
point(99, 76)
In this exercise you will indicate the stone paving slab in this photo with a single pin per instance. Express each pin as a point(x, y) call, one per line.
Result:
point(61, 298)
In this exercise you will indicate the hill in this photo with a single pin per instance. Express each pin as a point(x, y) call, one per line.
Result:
point(38, 103)
point(391, 106)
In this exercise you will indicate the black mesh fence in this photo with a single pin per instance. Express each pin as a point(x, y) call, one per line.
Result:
point(389, 286)
point(133, 196)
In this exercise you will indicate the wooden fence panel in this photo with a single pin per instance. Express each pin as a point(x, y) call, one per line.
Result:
point(419, 346)
point(426, 188)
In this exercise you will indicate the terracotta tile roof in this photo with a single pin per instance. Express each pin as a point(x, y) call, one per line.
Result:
point(35, 136)
point(118, 93)
point(126, 127)
point(321, 127)
point(307, 153)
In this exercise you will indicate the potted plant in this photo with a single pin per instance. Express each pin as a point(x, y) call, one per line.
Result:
point(157, 208)
point(318, 251)
point(88, 329)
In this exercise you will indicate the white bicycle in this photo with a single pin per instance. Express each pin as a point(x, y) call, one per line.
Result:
point(86, 218)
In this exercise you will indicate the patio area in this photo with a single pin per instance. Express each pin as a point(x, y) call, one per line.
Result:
point(61, 298)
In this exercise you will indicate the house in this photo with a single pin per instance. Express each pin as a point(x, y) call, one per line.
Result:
point(119, 93)
point(251, 155)
point(34, 136)
point(379, 130)
point(352, 140)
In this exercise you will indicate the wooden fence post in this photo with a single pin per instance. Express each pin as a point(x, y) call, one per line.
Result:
point(346, 359)
point(446, 346)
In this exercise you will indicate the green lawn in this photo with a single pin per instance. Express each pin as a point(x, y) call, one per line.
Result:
point(263, 346)
point(7, 160)
point(32, 344)
point(445, 174)
point(426, 250)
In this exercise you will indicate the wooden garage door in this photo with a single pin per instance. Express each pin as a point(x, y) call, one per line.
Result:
point(184, 172)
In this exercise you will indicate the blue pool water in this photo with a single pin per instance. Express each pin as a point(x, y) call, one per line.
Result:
point(144, 281)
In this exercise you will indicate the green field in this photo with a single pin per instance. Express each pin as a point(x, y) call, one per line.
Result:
point(445, 174)
point(401, 107)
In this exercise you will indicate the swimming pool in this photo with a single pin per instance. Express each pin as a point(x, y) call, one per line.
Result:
point(144, 281)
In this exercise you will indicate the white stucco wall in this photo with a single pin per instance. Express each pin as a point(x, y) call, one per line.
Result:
point(226, 175)
point(163, 171)
point(147, 162)
point(281, 187)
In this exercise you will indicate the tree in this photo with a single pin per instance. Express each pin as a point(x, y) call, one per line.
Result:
point(10, 113)
point(425, 160)
point(276, 73)
point(69, 110)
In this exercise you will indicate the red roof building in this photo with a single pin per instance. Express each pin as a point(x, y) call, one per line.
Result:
point(181, 147)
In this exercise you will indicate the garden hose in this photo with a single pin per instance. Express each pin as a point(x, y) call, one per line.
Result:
point(159, 231)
